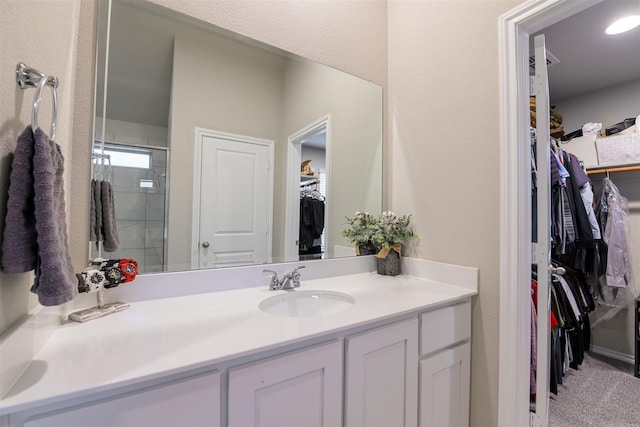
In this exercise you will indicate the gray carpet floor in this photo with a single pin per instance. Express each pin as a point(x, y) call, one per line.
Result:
point(603, 392)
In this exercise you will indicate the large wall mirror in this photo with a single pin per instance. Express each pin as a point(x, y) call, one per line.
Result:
point(218, 150)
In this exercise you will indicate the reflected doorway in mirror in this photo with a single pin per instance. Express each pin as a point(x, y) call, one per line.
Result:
point(314, 140)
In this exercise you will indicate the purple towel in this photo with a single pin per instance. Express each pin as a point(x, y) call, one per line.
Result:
point(19, 245)
point(55, 281)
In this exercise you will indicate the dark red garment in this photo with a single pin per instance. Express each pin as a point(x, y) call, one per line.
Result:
point(553, 321)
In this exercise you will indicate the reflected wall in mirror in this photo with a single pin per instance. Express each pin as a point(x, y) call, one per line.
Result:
point(201, 134)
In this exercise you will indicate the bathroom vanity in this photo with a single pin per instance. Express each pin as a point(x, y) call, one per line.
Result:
point(392, 351)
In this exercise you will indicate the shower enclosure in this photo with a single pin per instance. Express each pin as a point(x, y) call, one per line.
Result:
point(139, 180)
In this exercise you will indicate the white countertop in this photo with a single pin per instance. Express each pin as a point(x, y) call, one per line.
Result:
point(158, 337)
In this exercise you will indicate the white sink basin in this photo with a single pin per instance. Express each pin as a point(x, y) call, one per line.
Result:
point(306, 303)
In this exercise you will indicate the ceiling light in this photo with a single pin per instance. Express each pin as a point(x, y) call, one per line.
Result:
point(622, 25)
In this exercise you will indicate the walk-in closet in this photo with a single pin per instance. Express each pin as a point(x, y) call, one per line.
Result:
point(593, 195)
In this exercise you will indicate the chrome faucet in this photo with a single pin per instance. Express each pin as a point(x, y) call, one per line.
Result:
point(289, 281)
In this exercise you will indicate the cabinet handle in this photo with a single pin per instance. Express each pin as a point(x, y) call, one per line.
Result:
point(205, 245)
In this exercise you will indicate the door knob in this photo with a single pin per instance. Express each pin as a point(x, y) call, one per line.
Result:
point(205, 245)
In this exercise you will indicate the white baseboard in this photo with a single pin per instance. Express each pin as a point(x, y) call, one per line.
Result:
point(624, 357)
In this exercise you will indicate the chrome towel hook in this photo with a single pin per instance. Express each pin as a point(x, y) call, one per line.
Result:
point(30, 77)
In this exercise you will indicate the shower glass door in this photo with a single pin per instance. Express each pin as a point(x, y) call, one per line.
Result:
point(138, 178)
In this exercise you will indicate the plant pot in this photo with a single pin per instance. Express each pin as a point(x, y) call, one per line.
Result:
point(366, 249)
point(389, 265)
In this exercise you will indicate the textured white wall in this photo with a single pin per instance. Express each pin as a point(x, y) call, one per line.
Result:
point(30, 32)
point(443, 119)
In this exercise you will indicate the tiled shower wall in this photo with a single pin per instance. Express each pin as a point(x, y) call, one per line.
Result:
point(140, 211)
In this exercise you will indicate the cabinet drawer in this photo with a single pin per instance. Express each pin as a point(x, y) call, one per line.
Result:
point(445, 326)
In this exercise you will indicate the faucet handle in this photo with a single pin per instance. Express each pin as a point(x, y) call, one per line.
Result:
point(295, 276)
point(274, 279)
point(295, 270)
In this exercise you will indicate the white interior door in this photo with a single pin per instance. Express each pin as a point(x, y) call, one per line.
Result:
point(234, 222)
point(541, 250)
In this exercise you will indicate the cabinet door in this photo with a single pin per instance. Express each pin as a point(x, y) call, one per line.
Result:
point(191, 402)
point(444, 388)
point(382, 377)
point(298, 389)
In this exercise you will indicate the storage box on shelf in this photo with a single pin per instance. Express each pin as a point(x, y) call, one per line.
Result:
point(616, 153)
point(618, 149)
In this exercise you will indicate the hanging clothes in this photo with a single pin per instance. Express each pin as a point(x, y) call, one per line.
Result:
point(618, 266)
point(577, 246)
point(576, 232)
point(613, 216)
point(311, 222)
point(569, 326)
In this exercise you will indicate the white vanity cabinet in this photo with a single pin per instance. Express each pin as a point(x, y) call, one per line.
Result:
point(193, 402)
point(302, 389)
point(399, 356)
point(381, 379)
point(406, 372)
point(445, 366)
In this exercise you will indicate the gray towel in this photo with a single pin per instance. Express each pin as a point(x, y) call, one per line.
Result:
point(97, 199)
point(93, 235)
point(19, 246)
point(109, 228)
point(55, 281)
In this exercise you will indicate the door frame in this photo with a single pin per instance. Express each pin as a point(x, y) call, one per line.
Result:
point(292, 204)
point(514, 29)
point(197, 174)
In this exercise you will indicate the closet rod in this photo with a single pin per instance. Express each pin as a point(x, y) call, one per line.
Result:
point(308, 183)
point(614, 169)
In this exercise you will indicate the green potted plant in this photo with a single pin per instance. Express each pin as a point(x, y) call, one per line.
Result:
point(360, 232)
point(390, 233)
